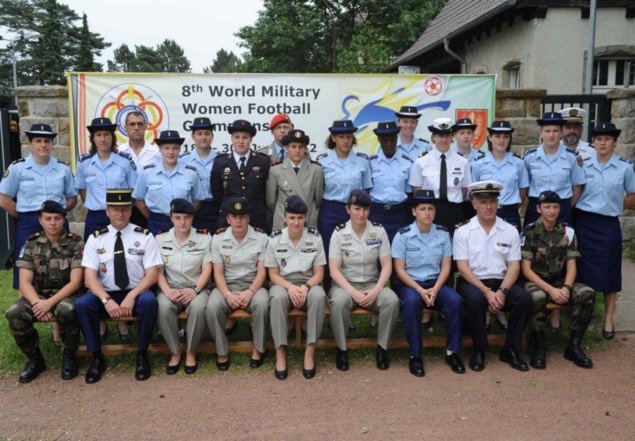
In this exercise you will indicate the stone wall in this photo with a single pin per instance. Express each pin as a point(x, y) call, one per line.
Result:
point(521, 107)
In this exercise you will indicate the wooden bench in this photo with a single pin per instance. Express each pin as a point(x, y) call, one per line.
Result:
point(296, 315)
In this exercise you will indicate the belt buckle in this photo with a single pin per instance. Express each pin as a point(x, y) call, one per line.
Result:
point(387, 207)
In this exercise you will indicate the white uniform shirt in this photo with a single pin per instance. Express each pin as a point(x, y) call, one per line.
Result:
point(426, 172)
point(140, 248)
point(149, 154)
point(487, 254)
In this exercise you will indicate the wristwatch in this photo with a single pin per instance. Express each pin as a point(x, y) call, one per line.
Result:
point(504, 290)
point(569, 287)
point(307, 286)
point(105, 300)
point(197, 290)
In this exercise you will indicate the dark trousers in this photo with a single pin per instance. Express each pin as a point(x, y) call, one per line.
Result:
point(448, 301)
point(518, 302)
point(207, 215)
point(159, 223)
point(95, 220)
point(509, 213)
point(391, 217)
point(90, 311)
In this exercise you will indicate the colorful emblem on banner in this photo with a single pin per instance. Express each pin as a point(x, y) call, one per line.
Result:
point(478, 117)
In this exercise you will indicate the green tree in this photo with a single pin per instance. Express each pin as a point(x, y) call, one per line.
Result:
point(173, 57)
point(85, 57)
point(224, 62)
point(166, 57)
point(124, 60)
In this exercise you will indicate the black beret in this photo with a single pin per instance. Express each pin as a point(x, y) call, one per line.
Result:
point(359, 198)
point(296, 136)
point(52, 207)
point(236, 205)
point(548, 196)
point(180, 205)
point(295, 205)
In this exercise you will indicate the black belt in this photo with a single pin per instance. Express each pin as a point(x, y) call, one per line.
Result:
point(388, 207)
point(508, 206)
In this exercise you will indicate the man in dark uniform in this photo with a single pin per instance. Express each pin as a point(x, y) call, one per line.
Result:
point(242, 173)
point(50, 276)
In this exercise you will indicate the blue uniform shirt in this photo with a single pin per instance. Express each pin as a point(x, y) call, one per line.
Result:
point(33, 183)
point(95, 176)
point(203, 167)
point(606, 185)
point(341, 176)
point(390, 177)
point(422, 252)
point(511, 172)
point(415, 149)
point(157, 187)
point(473, 156)
point(558, 173)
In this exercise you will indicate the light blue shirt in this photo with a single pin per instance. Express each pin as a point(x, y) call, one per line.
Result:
point(510, 171)
point(341, 176)
point(473, 156)
point(558, 173)
point(203, 167)
point(422, 252)
point(157, 186)
point(32, 183)
point(606, 185)
point(415, 149)
point(390, 177)
point(95, 176)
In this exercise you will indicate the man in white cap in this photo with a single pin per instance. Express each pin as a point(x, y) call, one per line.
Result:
point(572, 131)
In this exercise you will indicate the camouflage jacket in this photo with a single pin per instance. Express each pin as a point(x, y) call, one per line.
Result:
point(51, 264)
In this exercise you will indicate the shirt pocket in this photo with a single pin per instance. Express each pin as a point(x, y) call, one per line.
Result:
point(503, 249)
point(116, 177)
point(167, 255)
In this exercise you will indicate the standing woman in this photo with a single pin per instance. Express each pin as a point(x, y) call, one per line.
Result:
point(609, 178)
point(202, 158)
point(445, 172)
point(344, 171)
point(297, 175)
point(160, 183)
point(553, 167)
point(33, 180)
point(502, 165)
point(100, 169)
point(295, 259)
point(183, 283)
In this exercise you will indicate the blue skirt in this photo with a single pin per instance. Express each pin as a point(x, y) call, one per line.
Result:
point(509, 213)
point(159, 223)
point(95, 220)
point(600, 245)
point(332, 214)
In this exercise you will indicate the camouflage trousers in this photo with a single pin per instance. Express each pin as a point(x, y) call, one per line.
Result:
point(581, 301)
point(21, 319)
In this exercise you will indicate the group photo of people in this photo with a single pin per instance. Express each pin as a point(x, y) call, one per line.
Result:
point(477, 235)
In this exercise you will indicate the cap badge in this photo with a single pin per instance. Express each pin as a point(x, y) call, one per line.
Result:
point(238, 206)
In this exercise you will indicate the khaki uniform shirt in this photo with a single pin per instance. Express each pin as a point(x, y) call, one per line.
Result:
point(295, 262)
point(240, 260)
point(183, 265)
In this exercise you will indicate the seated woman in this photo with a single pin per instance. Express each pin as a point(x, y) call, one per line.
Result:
point(238, 254)
point(295, 259)
point(183, 283)
point(422, 254)
point(358, 249)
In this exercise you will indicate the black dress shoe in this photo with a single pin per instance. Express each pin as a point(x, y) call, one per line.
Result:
point(142, 371)
point(255, 364)
point(171, 370)
point(222, 365)
point(69, 365)
point(124, 337)
point(608, 335)
point(477, 360)
point(456, 364)
point(381, 356)
point(308, 373)
point(416, 367)
point(34, 367)
point(280, 375)
point(341, 360)
point(189, 370)
point(96, 368)
point(513, 358)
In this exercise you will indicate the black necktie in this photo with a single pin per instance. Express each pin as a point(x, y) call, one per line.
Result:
point(296, 169)
point(243, 167)
point(121, 272)
point(443, 180)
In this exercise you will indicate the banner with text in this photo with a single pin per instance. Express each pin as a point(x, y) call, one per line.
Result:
point(313, 102)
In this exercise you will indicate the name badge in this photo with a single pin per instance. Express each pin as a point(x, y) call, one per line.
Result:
point(506, 245)
point(136, 251)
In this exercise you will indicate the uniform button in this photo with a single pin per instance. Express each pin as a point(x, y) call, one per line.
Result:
point(242, 177)
point(243, 187)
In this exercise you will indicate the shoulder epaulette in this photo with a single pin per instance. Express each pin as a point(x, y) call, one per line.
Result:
point(531, 226)
point(478, 158)
point(229, 155)
point(377, 224)
point(257, 153)
point(74, 236)
point(184, 154)
point(220, 230)
point(530, 151)
point(361, 155)
point(424, 140)
point(340, 227)
point(149, 166)
point(313, 231)
point(125, 155)
point(423, 154)
point(622, 158)
point(574, 152)
point(406, 157)
point(465, 222)
point(100, 232)
point(191, 167)
point(460, 154)
point(62, 162)
point(275, 233)
point(315, 162)
point(260, 230)
point(442, 228)
point(33, 236)
point(516, 155)
point(162, 232)
point(274, 163)
point(18, 161)
point(85, 156)
point(405, 229)
point(322, 155)
point(480, 154)
point(373, 157)
point(142, 230)
point(202, 230)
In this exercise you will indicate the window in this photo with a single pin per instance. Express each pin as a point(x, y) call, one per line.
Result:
point(609, 73)
point(512, 75)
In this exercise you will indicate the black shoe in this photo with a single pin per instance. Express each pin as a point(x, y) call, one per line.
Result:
point(189, 370)
point(538, 358)
point(456, 364)
point(341, 360)
point(428, 324)
point(280, 375)
point(308, 373)
point(34, 367)
point(230, 331)
point(96, 368)
point(573, 352)
point(142, 371)
point(69, 365)
point(416, 367)
point(381, 356)
point(255, 364)
point(513, 358)
point(608, 335)
point(477, 360)
point(171, 370)
point(124, 337)
point(222, 365)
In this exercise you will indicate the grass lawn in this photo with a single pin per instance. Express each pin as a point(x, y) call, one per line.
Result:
point(12, 360)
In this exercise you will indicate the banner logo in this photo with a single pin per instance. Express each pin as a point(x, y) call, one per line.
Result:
point(478, 117)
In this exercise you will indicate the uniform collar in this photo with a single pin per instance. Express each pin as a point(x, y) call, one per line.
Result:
point(212, 155)
point(382, 156)
point(285, 239)
point(229, 235)
point(561, 151)
point(30, 162)
point(437, 153)
point(128, 228)
point(489, 157)
point(475, 224)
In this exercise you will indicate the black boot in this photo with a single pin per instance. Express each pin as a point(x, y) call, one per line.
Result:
point(34, 367)
point(69, 364)
point(96, 368)
point(574, 352)
point(539, 352)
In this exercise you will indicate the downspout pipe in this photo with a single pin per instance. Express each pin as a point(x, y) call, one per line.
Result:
point(446, 46)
